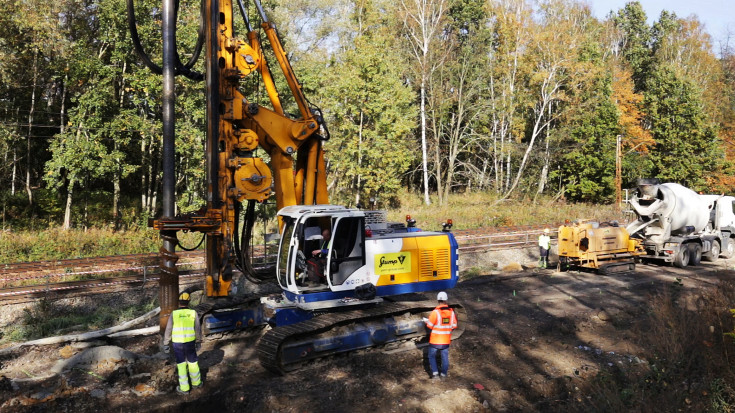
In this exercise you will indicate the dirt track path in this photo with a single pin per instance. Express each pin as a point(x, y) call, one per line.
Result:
point(533, 337)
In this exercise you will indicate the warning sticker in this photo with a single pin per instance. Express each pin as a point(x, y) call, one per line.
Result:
point(394, 263)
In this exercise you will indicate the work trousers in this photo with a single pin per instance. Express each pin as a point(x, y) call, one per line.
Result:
point(443, 350)
point(543, 257)
point(187, 365)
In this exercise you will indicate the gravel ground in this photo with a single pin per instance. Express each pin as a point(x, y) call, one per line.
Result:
point(532, 338)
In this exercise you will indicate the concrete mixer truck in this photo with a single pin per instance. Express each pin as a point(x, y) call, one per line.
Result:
point(677, 225)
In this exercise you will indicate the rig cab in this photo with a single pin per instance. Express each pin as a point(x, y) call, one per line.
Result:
point(366, 256)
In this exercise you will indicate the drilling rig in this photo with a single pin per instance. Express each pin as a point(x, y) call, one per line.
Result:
point(361, 289)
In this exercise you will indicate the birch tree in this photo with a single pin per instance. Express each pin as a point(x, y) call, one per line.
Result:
point(511, 36)
point(423, 23)
point(555, 50)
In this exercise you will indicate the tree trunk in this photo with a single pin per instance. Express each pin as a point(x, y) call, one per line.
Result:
point(437, 156)
point(449, 174)
point(483, 173)
point(359, 158)
point(67, 209)
point(30, 127)
point(539, 123)
point(13, 174)
point(497, 161)
point(425, 163)
point(117, 171)
point(83, 336)
point(143, 182)
point(70, 186)
point(507, 172)
point(423, 19)
point(152, 181)
point(62, 117)
point(116, 177)
point(543, 179)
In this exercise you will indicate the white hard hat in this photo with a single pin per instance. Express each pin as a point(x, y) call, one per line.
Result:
point(442, 296)
point(546, 230)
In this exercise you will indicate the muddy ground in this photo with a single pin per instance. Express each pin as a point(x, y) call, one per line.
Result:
point(533, 338)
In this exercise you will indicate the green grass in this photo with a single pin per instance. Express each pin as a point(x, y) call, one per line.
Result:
point(467, 211)
point(47, 319)
point(481, 210)
point(55, 244)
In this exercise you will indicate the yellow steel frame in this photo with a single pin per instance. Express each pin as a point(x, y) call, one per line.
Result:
point(243, 126)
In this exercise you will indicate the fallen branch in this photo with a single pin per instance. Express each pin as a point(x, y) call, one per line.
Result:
point(139, 332)
point(83, 336)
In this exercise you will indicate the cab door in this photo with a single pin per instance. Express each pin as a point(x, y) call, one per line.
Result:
point(287, 250)
point(347, 249)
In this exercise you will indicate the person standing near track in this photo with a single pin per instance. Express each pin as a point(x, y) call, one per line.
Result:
point(544, 246)
point(441, 322)
point(184, 330)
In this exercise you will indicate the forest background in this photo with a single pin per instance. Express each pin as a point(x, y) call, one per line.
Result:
point(513, 99)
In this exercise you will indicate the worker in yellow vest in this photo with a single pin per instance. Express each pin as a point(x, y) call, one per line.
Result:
point(544, 246)
point(184, 330)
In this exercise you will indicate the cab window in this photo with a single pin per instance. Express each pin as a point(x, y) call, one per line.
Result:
point(284, 259)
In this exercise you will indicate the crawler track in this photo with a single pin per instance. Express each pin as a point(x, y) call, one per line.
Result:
point(271, 346)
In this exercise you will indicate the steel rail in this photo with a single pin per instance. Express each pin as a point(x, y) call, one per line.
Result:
point(15, 295)
point(35, 275)
point(470, 241)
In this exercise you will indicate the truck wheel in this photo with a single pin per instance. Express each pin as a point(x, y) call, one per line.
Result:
point(729, 249)
point(563, 264)
point(714, 253)
point(682, 258)
point(695, 254)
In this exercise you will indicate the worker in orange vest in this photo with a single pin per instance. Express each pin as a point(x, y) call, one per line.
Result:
point(441, 322)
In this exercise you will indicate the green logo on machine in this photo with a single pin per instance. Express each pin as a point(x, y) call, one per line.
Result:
point(394, 263)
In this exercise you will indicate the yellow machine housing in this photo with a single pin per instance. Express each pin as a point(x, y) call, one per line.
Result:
point(599, 246)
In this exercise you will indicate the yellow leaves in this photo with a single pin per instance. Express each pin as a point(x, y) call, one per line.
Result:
point(721, 183)
point(635, 136)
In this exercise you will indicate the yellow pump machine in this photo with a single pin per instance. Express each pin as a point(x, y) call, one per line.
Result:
point(604, 247)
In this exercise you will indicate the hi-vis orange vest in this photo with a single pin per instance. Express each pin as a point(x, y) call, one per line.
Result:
point(441, 322)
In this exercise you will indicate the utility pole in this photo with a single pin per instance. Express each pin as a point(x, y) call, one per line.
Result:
point(618, 172)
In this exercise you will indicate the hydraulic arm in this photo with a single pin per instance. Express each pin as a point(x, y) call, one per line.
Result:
point(236, 128)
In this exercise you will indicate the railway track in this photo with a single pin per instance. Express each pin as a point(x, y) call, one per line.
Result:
point(15, 295)
point(29, 281)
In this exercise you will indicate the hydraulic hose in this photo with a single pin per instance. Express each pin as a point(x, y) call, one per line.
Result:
point(181, 69)
point(242, 245)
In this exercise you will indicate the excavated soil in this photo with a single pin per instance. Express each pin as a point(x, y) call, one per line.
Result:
point(533, 337)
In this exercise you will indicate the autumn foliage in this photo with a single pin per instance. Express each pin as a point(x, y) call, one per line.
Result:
point(630, 107)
